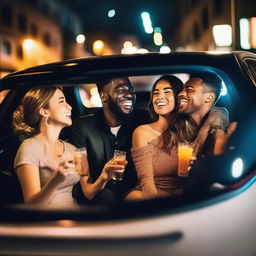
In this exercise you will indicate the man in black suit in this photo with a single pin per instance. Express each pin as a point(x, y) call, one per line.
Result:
point(109, 129)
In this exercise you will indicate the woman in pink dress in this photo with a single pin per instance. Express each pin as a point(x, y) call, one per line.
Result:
point(45, 165)
point(154, 145)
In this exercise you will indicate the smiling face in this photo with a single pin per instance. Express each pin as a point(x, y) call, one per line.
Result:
point(192, 97)
point(163, 98)
point(120, 96)
point(59, 111)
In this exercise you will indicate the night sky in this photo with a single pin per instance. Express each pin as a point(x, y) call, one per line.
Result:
point(127, 20)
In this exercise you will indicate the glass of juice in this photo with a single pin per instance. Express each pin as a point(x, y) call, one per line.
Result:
point(185, 153)
point(120, 159)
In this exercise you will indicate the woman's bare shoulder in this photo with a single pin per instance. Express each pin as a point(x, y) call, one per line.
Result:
point(145, 128)
point(142, 136)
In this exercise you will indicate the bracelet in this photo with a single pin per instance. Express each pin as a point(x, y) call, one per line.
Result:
point(216, 127)
point(84, 175)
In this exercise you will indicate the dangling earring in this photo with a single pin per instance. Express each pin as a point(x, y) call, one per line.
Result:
point(46, 118)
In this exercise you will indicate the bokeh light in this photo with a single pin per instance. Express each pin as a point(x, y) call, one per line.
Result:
point(237, 168)
point(165, 49)
point(98, 47)
point(80, 38)
point(28, 44)
point(111, 13)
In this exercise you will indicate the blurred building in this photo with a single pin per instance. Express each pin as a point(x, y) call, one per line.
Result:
point(32, 32)
point(216, 25)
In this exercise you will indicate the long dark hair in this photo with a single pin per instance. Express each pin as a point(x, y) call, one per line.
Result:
point(176, 130)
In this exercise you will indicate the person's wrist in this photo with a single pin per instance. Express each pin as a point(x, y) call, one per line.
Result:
point(104, 176)
point(216, 127)
point(84, 175)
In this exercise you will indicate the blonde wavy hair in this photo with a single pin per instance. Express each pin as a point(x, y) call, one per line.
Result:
point(26, 118)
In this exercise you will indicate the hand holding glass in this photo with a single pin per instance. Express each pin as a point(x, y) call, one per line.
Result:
point(119, 158)
point(81, 162)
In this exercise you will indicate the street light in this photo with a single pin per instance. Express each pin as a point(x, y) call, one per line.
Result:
point(28, 44)
point(98, 47)
point(147, 22)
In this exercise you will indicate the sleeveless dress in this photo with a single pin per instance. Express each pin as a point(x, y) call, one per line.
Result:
point(33, 151)
point(155, 166)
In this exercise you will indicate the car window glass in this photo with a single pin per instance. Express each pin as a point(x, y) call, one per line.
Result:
point(251, 64)
point(90, 99)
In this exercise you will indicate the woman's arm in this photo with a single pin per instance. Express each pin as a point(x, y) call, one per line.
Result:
point(28, 176)
point(142, 159)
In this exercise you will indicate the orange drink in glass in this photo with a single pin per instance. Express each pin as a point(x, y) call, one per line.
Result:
point(185, 153)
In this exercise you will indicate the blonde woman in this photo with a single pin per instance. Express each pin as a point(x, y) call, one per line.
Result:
point(44, 164)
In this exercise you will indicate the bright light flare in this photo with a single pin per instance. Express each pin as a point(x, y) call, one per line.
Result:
point(128, 48)
point(147, 22)
point(111, 13)
point(142, 50)
point(29, 44)
point(80, 38)
point(127, 44)
point(237, 168)
point(98, 47)
point(245, 33)
point(165, 49)
point(158, 39)
point(222, 35)
point(224, 89)
point(94, 91)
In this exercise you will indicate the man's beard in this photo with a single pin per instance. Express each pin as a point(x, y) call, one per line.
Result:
point(115, 109)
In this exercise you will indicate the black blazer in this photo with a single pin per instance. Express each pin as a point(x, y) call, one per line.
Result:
point(93, 132)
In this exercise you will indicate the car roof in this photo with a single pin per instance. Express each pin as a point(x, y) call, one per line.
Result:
point(97, 68)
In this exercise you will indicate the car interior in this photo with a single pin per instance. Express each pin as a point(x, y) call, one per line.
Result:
point(84, 100)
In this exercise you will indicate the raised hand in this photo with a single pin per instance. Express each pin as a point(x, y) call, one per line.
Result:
point(114, 166)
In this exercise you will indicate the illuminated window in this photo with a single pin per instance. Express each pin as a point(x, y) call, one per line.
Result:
point(244, 33)
point(222, 35)
point(253, 32)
